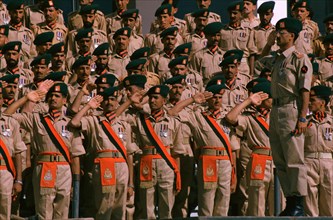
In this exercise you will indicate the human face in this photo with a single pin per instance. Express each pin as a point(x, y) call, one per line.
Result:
point(179, 69)
point(204, 3)
point(129, 22)
point(101, 87)
point(84, 44)
point(215, 103)
point(249, 7)
point(51, 14)
point(267, 75)
point(122, 42)
point(9, 91)
point(176, 91)
point(284, 38)
point(122, 4)
point(169, 42)
point(230, 71)
point(316, 104)
point(164, 21)
point(329, 27)
point(135, 72)
point(40, 71)
point(110, 104)
point(235, 16)
point(156, 101)
point(267, 103)
point(213, 40)
point(88, 20)
point(102, 61)
point(83, 72)
point(130, 90)
point(56, 100)
point(16, 16)
point(58, 60)
point(41, 49)
point(201, 23)
point(266, 17)
point(329, 49)
point(301, 13)
point(12, 58)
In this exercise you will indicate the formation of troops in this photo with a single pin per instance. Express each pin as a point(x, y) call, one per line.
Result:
point(98, 120)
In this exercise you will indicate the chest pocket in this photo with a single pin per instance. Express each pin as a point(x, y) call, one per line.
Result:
point(226, 40)
point(288, 73)
point(242, 38)
point(327, 134)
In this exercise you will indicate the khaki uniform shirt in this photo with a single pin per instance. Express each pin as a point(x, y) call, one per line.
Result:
point(304, 42)
point(159, 64)
point(264, 62)
point(75, 21)
point(179, 23)
point(153, 40)
point(246, 23)
point(26, 76)
point(260, 36)
point(113, 23)
point(325, 69)
point(60, 31)
point(198, 42)
point(3, 63)
point(118, 64)
point(135, 42)
point(318, 47)
point(233, 96)
point(206, 63)
point(190, 24)
point(35, 16)
point(4, 14)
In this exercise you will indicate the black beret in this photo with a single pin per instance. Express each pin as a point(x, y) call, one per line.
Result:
point(130, 13)
point(179, 79)
point(102, 49)
point(81, 61)
point(183, 49)
point(203, 12)
point(254, 82)
point(136, 80)
point(4, 29)
point(58, 87)
point(174, 3)
point(169, 31)
point(262, 87)
point(15, 4)
point(88, 9)
point(137, 64)
point(216, 80)
point(266, 6)
point(57, 48)
point(290, 24)
point(216, 89)
point(182, 60)
point(321, 91)
point(238, 53)
point(106, 79)
point(328, 39)
point(213, 28)
point(56, 76)
point(126, 31)
point(233, 59)
point(41, 60)
point(143, 52)
point(162, 90)
point(12, 45)
point(302, 4)
point(329, 17)
point(84, 33)
point(238, 5)
point(43, 38)
point(10, 78)
point(111, 91)
point(253, 1)
point(49, 3)
point(163, 9)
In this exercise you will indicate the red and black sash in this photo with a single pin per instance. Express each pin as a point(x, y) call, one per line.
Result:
point(115, 140)
point(55, 137)
point(161, 149)
point(8, 159)
point(262, 124)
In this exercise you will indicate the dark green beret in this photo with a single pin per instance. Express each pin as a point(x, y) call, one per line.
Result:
point(174, 3)
point(253, 1)
point(203, 12)
point(216, 89)
point(10, 78)
point(12, 45)
point(130, 13)
point(183, 49)
point(57, 48)
point(163, 9)
point(15, 4)
point(329, 17)
point(50, 3)
point(106, 79)
point(137, 64)
point(81, 61)
point(88, 9)
point(102, 49)
point(266, 6)
point(233, 52)
point(162, 90)
point(169, 31)
point(213, 28)
point(179, 79)
point(43, 38)
point(321, 91)
point(84, 33)
point(328, 39)
point(254, 82)
point(238, 5)
point(311, 56)
point(136, 80)
point(143, 52)
point(56, 76)
point(302, 4)
point(233, 59)
point(41, 60)
point(58, 87)
point(111, 91)
point(126, 31)
point(216, 80)
point(290, 24)
point(315, 68)
point(4, 29)
point(265, 70)
point(182, 60)
point(262, 87)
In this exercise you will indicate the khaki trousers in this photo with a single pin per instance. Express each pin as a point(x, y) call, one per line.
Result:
point(6, 186)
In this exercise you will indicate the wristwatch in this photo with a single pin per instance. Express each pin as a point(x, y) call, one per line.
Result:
point(301, 119)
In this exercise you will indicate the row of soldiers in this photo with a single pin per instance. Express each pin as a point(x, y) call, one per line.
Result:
point(135, 143)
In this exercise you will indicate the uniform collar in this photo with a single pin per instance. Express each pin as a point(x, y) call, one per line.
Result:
point(289, 51)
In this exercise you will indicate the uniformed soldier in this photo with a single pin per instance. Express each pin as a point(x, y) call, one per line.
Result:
point(318, 46)
point(157, 134)
point(290, 93)
point(235, 36)
point(57, 52)
point(40, 67)
point(56, 148)
point(34, 14)
point(12, 147)
point(326, 63)
point(10, 91)
point(212, 17)
point(318, 154)
point(51, 23)
point(17, 32)
point(249, 19)
point(154, 39)
point(102, 53)
point(4, 30)
point(183, 50)
point(159, 61)
point(206, 61)
point(43, 42)
point(197, 38)
point(4, 15)
point(75, 21)
point(88, 16)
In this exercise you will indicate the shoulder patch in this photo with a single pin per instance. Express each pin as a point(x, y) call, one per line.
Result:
point(304, 69)
point(298, 54)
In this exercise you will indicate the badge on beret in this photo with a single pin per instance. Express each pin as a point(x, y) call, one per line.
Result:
point(89, 34)
point(103, 80)
point(57, 88)
point(235, 61)
point(62, 49)
point(127, 82)
point(2, 30)
point(42, 61)
point(145, 54)
point(158, 90)
point(184, 62)
point(183, 81)
point(16, 80)
point(22, 6)
point(282, 24)
point(303, 4)
point(134, 14)
point(125, 32)
point(115, 93)
point(50, 3)
point(165, 11)
point(89, 62)
point(304, 69)
point(237, 7)
point(219, 82)
point(312, 93)
point(205, 14)
point(175, 33)
point(105, 51)
point(186, 50)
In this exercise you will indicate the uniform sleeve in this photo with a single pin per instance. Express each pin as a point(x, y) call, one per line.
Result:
point(19, 145)
point(251, 45)
point(178, 147)
point(242, 123)
point(131, 147)
point(101, 21)
point(77, 148)
point(86, 124)
point(304, 72)
point(195, 62)
point(25, 120)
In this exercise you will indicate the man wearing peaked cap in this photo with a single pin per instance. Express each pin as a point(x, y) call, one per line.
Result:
point(288, 123)
point(43, 42)
point(249, 19)
point(103, 58)
point(319, 151)
point(40, 66)
point(325, 62)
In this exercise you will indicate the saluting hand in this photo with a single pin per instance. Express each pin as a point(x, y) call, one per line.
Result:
point(35, 96)
point(257, 98)
point(88, 87)
point(200, 98)
point(95, 101)
point(4, 84)
point(45, 85)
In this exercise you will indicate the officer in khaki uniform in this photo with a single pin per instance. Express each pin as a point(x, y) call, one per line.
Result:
point(17, 32)
point(52, 175)
point(154, 39)
point(102, 54)
point(43, 42)
point(212, 17)
point(10, 170)
point(4, 15)
point(249, 19)
point(318, 153)
point(291, 82)
point(159, 162)
point(326, 63)
point(4, 30)
point(57, 52)
point(51, 24)
point(75, 21)
point(206, 61)
point(254, 122)
point(318, 46)
point(138, 67)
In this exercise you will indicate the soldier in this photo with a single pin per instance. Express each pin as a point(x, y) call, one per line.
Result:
point(17, 32)
point(249, 19)
point(4, 15)
point(88, 16)
point(154, 39)
point(56, 148)
point(287, 121)
point(10, 91)
point(183, 50)
point(318, 46)
point(40, 67)
point(197, 38)
point(43, 42)
point(4, 29)
point(159, 61)
point(120, 57)
point(75, 21)
point(12, 147)
point(57, 52)
point(206, 61)
point(326, 63)
point(212, 17)
point(235, 36)
point(318, 153)
point(113, 20)
point(254, 123)
point(102, 59)
point(51, 24)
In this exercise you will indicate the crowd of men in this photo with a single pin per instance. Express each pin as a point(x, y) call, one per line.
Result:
point(194, 114)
